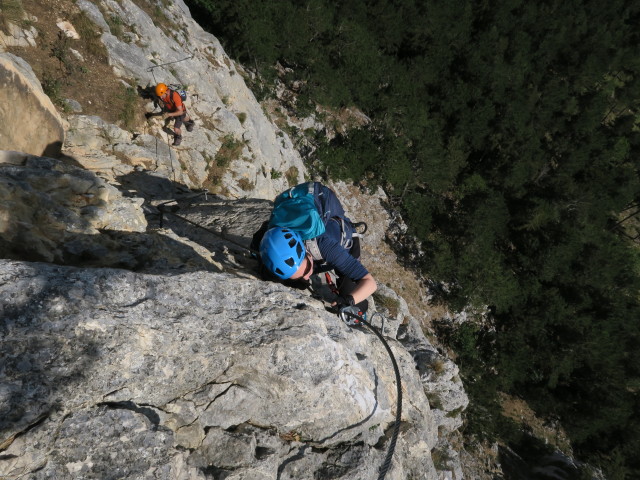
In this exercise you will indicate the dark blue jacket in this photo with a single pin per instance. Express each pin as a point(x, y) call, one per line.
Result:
point(336, 257)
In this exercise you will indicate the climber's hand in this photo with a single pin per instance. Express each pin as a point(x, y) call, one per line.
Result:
point(349, 314)
point(347, 310)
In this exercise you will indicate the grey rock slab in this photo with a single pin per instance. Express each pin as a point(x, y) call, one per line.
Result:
point(39, 131)
point(94, 14)
point(48, 206)
point(203, 351)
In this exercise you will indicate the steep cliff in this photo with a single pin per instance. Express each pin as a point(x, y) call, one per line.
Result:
point(137, 344)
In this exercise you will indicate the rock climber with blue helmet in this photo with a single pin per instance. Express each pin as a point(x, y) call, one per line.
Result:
point(292, 259)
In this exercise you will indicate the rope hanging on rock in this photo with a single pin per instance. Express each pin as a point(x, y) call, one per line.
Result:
point(396, 428)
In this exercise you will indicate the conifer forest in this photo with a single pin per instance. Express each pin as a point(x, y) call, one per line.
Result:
point(508, 134)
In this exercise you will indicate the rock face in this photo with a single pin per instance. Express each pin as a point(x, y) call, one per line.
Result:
point(136, 339)
point(53, 211)
point(40, 132)
point(17, 37)
point(189, 376)
point(195, 370)
point(177, 50)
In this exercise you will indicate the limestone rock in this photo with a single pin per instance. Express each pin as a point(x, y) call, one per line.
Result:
point(439, 376)
point(41, 131)
point(182, 376)
point(74, 105)
point(93, 12)
point(50, 210)
point(68, 29)
point(163, 355)
point(262, 383)
point(219, 101)
point(17, 37)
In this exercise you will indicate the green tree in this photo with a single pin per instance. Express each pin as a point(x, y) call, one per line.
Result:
point(508, 133)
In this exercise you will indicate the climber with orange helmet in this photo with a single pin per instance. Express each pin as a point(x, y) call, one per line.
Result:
point(174, 108)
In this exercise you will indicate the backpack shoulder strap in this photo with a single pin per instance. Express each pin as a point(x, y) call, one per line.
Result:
point(173, 99)
point(346, 240)
point(312, 247)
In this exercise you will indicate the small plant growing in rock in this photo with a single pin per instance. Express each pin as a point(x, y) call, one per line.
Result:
point(292, 176)
point(90, 36)
point(157, 12)
point(11, 11)
point(51, 87)
point(116, 25)
point(242, 116)
point(392, 305)
point(229, 151)
point(438, 365)
point(275, 174)
point(129, 108)
point(60, 51)
point(455, 412)
point(291, 436)
point(435, 402)
point(441, 457)
point(245, 184)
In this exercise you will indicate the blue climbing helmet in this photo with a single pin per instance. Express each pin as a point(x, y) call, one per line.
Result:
point(282, 251)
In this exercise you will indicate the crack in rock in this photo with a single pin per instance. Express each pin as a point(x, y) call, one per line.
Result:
point(147, 411)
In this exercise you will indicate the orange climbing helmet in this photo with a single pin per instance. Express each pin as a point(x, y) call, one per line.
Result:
point(161, 89)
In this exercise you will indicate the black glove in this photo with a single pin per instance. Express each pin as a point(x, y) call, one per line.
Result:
point(347, 313)
point(347, 309)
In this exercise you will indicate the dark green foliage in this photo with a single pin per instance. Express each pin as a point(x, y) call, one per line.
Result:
point(508, 132)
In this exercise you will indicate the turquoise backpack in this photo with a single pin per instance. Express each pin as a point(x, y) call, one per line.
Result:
point(296, 209)
point(306, 208)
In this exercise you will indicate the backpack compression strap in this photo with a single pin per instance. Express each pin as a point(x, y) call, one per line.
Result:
point(311, 245)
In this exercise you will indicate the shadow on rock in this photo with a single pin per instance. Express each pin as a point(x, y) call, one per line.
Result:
point(53, 211)
point(38, 362)
point(222, 226)
point(53, 149)
point(64, 349)
point(152, 187)
point(140, 252)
